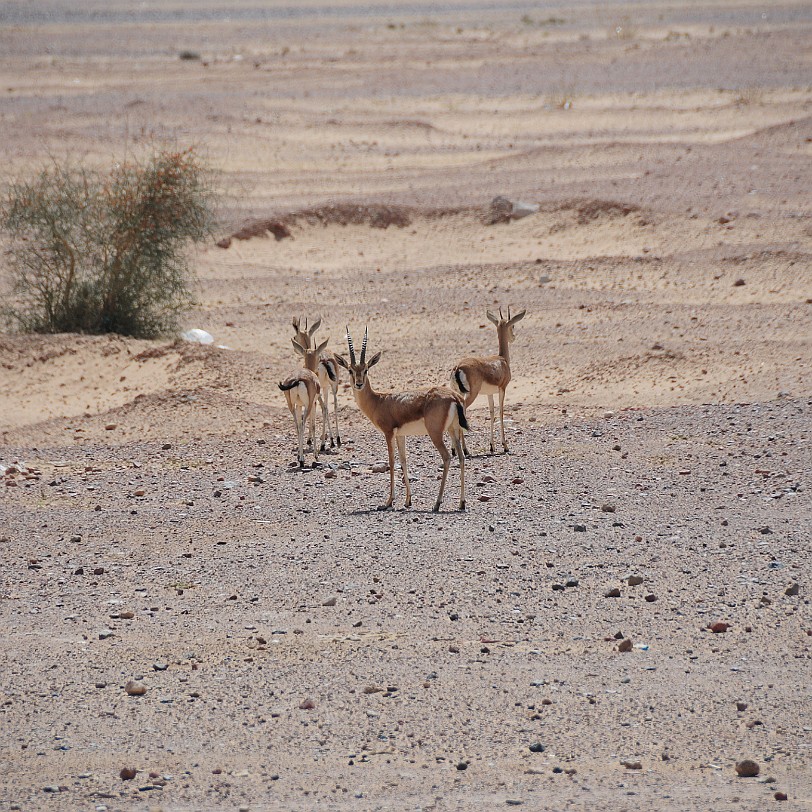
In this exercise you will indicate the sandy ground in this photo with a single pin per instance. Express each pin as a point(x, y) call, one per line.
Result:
point(298, 648)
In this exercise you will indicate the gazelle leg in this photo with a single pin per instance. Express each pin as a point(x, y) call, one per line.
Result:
point(310, 415)
point(325, 418)
point(402, 455)
point(458, 440)
point(437, 439)
point(502, 417)
point(490, 406)
point(335, 414)
point(390, 448)
point(296, 412)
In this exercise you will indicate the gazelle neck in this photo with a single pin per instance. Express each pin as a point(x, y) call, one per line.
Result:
point(366, 398)
point(504, 344)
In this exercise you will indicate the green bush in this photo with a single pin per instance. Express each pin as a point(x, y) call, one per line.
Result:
point(106, 253)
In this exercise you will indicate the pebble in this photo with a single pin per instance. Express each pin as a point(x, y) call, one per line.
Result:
point(571, 582)
point(514, 802)
point(651, 598)
point(579, 528)
point(330, 601)
point(632, 765)
point(307, 704)
point(536, 747)
point(780, 796)
point(380, 468)
point(135, 688)
point(635, 580)
point(462, 765)
point(614, 592)
point(607, 508)
point(719, 627)
point(741, 706)
point(127, 773)
point(625, 645)
point(792, 590)
point(160, 666)
point(747, 768)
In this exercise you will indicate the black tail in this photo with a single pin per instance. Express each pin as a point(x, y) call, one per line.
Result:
point(331, 373)
point(285, 386)
point(461, 416)
point(462, 387)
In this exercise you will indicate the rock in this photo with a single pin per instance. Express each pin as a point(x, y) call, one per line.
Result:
point(380, 468)
point(579, 528)
point(513, 802)
point(110, 427)
point(719, 627)
point(126, 615)
point(159, 666)
point(330, 601)
point(558, 587)
point(521, 209)
point(462, 765)
point(632, 765)
point(741, 706)
point(499, 210)
point(607, 508)
point(747, 768)
point(135, 688)
point(536, 747)
point(105, 633)
point(614, 592)
point(197, 336)
point(571, 582)
point(780, 796)
point(651, 598)
point(635, 580)
point(307, 704)
point(373, 689)
point(127, 773)
point(98, 571)
point(792, 590)
point(739, 282)
point(625, 645)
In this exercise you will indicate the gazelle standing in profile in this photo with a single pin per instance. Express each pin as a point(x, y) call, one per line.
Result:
point(434, 411)
point(301, 390)
point(327, 371)
point(489, 374)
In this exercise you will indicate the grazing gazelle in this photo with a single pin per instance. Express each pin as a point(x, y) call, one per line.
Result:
point(434, 411)
point(489, 374)
point(327, 371)
point(301, 390)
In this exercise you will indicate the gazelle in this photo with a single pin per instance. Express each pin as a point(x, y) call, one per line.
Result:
point(327, 371)
point(434, 411)
point(301, 390)
point(489, 374)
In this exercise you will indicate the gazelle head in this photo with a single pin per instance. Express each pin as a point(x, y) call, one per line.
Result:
point(358, 368)
point(311, 356)
point(505, 325)
point(304, 335)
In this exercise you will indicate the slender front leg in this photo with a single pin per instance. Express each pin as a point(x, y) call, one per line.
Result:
point(390, 448)
point(335, 414)
point(402, 455)
point(490, 405)
point(502, 416)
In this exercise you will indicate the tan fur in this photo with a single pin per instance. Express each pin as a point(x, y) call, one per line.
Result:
point(304, 336)
point(301, 388)
point(433, 411)
point(490, 374)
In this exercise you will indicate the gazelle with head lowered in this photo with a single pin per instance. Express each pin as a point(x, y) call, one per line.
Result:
point(489, 374)
point(301, 390)
point(436, 411)
point(327, 370)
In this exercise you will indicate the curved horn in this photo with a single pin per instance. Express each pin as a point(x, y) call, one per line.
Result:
point(501, 317)
point(349, 344)
point(364, 344)
point(508, 312)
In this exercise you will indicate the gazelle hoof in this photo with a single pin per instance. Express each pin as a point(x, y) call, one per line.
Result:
point(462, 506)
point(338, 442)
point(384, 507)
point(436, 508)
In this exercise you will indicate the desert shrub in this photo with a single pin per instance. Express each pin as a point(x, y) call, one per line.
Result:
point(97, 252)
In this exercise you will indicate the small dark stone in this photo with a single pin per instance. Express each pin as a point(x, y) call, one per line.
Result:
point(571, 582)
point(614, 592)
point(462, 765)
point(747, 768)
point(792, 590)
point(651, 598)
point(741, 706)
point(536, 747)
point(579, 528)
point(625, 645)
point(127, 773)
point(558, 587)
point(780, 796)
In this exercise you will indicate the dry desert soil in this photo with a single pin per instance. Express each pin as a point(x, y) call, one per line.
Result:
point(622, 614)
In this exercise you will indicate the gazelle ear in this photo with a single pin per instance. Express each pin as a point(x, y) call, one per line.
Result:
point(314, 327)
point(491, 317)
point(298, 347)
point(374, 360)
point(323, 344)
point(518, 317)
point(342, 362)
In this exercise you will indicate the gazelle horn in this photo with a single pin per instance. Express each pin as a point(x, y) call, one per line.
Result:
point(349, 344)
point(364, 344)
